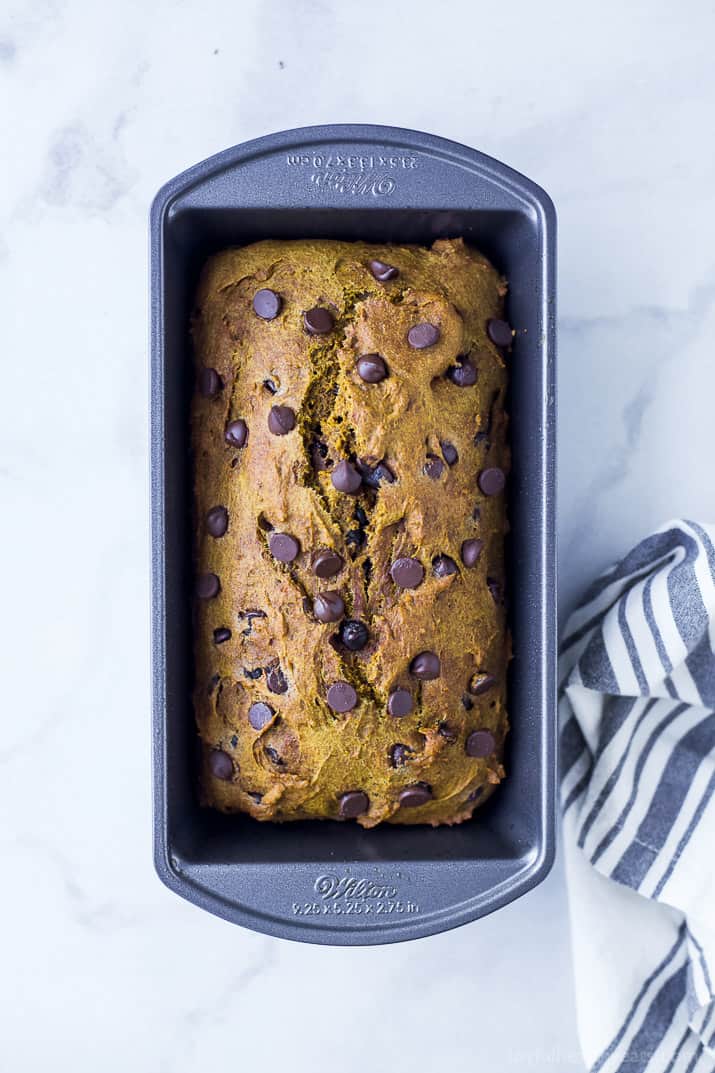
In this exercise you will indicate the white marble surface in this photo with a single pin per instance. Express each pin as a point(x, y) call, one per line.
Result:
point(609, 108)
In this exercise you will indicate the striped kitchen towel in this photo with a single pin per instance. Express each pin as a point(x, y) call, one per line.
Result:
point(637, 680)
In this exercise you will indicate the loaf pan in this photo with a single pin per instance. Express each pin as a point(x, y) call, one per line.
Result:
point(327, 882)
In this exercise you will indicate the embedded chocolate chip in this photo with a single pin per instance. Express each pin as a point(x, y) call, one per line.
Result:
point(213, 682)
point(252, 673)
point(275, 679)
point(423, 335)
point(281, 420)
point(260, 715)
point(481, 682)
point(382, 272)
point(495, 589)
point(371, 368)
point(283, 547)
point(463, 375)
point(318, 321)
point(433, 467)
point(355, 538)
point(326, 563)
point(221, 634)
point(407, 573)
point(207, 586)
point(220, 765)
point(341, 697)
point(353, 803)
point(480, 743)
point(499, 332)
point(354, 634)
point(400, 703)
point(399, 754)
point(249, 616)
point(255, 796)
point(234, 741)
point(274, 756)
point(449, 453)
point(413, 796)
point(374, 476)
point(447, 732)
point(443, 566)
point(467, 702)
point(269, 385)
point(267, 304)
point(346, 478)
point(236, 433)
point(476, 794)
point(210, 383)
point(491, 481)
point(328, 607)
point(425, 666)
point(217, 521)
point(360, 516)
point(471, 550)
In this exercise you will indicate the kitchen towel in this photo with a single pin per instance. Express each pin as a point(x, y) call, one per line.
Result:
point(637, 701)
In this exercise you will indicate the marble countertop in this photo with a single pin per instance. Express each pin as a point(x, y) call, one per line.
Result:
point(608, 108)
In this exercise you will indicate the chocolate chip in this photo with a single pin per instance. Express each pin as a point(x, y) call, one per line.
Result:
point(326, 563)
point(413, 796)
point(382, 472)
point(249, 616)
point(471, 550)
point(207, 586)
point(423, 335)
point(255, 796)
point(467, 702)
point(447, 732)
point(217, 521)
point(495, 589)
point(252, 673)
point(210, 383)
point(274, 756)
point(275, 679)
point(374, 476)
point(341, 697)
point(399, 754)
point(449, 453)
point(425, 666)
point(353, 803)
point(371, 368)
point(267, 304)
point(400, 703)
point(220, 765)
point(354, 634)
point(382, 272)
point(443, 566)
point(236, 433)
point(499, 332)
point(407, 573)
point(433, 467)
point(346, 478)
point(234, 741)
point(481, 682)
point(491, 481)
point(318, 321)
point(264, 524)
point(283, 547)
point(360, 516)
point(476, 794)
point(480, 743)
point(260, 715)
point(269, 385)
point(221, 634)
point(328, 607)
point(281, 420)
point(464, 375)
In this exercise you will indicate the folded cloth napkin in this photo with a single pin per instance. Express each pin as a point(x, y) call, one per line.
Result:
point(637, 677)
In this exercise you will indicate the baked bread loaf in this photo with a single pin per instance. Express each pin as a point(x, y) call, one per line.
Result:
point(349, 459)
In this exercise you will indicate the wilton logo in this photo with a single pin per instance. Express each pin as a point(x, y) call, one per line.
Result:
point(331, 886)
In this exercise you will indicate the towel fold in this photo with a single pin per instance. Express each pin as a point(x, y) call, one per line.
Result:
point(637, 675)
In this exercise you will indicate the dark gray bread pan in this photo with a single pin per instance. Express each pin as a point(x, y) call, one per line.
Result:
point(331, 882)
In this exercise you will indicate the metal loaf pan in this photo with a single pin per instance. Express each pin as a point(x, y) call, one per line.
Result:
point(330, 882)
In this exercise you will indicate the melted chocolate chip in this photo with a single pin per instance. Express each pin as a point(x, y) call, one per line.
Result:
point(354, 634)
point(345, 478)
point(491, 481)
point(220, 765)
point(318, 321)
point(341, 697)
point(407, 573)
point(283, 547)
point(281, 420)
point(221, 634)
point(328, 607)
point(236, 433)
point(481, 682)
point(425, 666)
point(471, 550)
point(260, 715)
point(413, 796)
point(275, 679)
point(382, 272)
point(480, 743)
point(217, 521)
point(400, 703)
point(326, 563)
point(207, 586)
point(463, 375)
point(443, 566)
point(267, 304)
point(210, 383)
point(433, 467)
point(353, 803)
point(499, 332)
point(449, 453)
point(399, 754)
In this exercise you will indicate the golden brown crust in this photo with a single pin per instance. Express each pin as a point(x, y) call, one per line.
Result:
point(300, 763)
